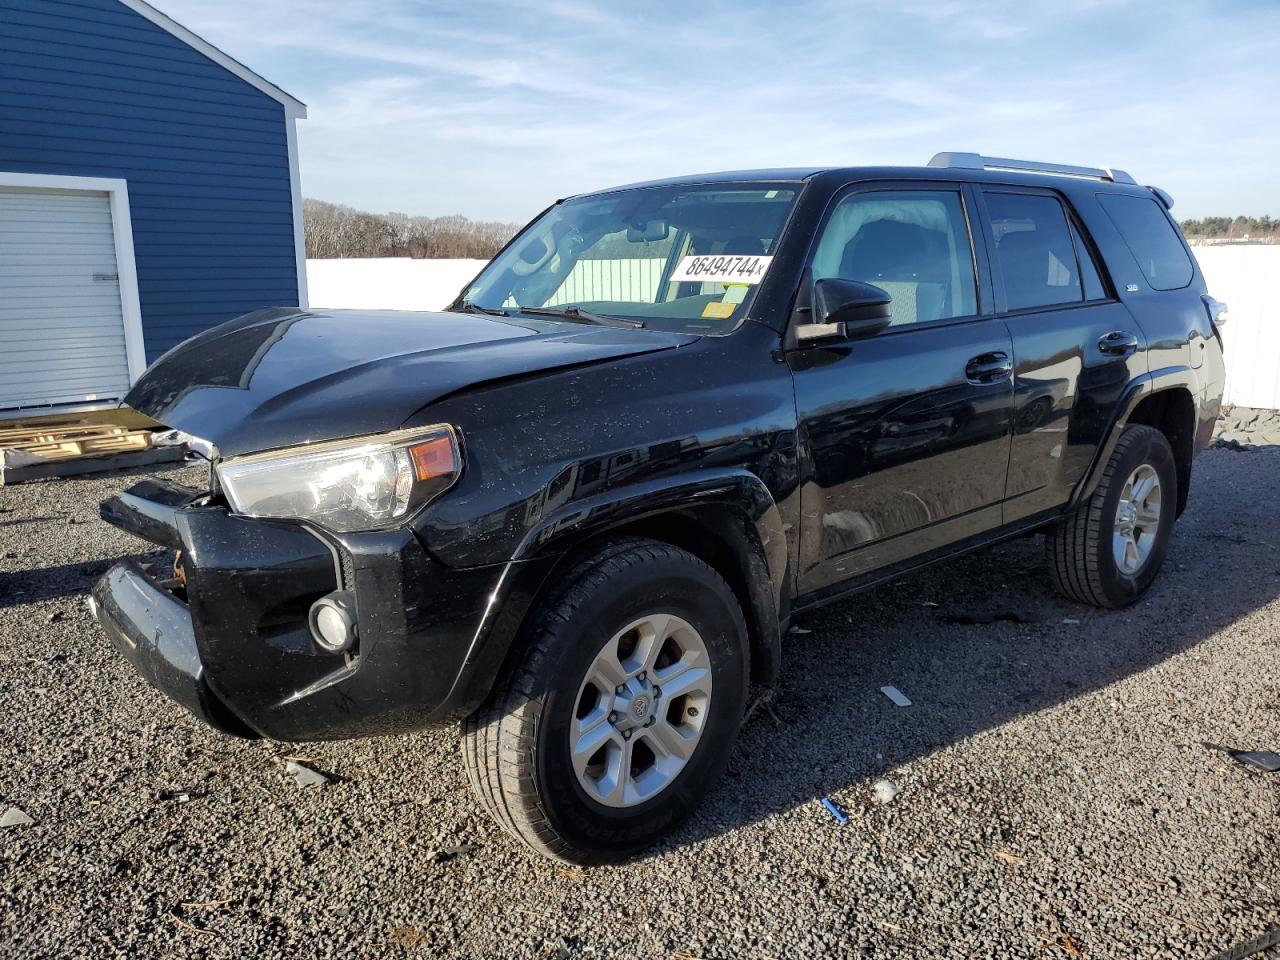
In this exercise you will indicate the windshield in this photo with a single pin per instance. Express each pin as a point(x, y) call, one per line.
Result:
point(687, 259)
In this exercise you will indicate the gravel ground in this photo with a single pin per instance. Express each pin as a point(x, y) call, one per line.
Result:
point(1057, 798)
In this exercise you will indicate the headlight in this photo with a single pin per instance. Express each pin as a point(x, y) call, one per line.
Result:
point(345, 485)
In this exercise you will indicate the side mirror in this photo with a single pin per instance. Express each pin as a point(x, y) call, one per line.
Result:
point(846, 309)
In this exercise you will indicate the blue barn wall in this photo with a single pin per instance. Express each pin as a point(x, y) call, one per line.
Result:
point(90, 88)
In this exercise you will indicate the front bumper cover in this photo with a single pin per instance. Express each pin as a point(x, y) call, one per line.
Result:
point(234, 647)
point(152, 628)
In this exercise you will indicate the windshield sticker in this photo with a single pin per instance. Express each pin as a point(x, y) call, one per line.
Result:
point(719, 311)
point(722, 268)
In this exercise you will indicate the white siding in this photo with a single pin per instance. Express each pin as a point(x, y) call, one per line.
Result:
point(61, 324)
point(631, 280)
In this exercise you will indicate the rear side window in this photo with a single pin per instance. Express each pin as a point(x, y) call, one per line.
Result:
point(1152, 239)
point(1035, 251)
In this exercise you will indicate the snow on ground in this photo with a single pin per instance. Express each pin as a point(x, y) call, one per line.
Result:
point(388, 284)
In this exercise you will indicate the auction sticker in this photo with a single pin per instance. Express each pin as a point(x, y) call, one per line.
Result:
point(722, 268)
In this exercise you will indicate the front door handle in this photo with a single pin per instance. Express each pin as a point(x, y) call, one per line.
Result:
point(988, 368)
point(1118, 343)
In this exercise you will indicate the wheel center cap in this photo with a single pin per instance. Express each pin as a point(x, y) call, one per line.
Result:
point(635, 705)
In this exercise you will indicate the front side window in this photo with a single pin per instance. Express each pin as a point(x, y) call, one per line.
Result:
point(686, 258)
point(1152, 238)
point(1034, 250)
point(913, 244)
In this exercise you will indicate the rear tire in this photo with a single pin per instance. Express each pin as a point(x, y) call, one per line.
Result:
point(1109, 551)
point(578, 752)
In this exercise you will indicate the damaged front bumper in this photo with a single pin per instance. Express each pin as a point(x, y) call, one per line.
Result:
point(152, 628)
point(228, 637)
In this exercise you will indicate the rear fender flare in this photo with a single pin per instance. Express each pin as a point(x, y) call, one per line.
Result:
point(1142, 387)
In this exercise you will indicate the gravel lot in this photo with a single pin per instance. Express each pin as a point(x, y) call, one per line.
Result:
point(1056, 798)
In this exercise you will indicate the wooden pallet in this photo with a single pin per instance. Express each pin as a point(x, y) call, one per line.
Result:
point(36, 450)
point(75, 441)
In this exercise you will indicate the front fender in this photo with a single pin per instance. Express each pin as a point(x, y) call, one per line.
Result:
point(735, 489)
point(734, 504)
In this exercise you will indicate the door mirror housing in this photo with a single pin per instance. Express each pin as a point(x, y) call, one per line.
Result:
point(846, 310)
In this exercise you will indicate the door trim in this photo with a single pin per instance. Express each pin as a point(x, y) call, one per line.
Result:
point(117, 192)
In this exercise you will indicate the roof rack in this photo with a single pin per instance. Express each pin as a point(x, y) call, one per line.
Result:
point(975, 161)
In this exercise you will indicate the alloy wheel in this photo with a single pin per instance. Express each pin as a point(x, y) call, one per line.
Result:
point(1137, 520)
point(641, 710)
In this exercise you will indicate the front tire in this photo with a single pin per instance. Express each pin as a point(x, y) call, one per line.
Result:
point(620, 712)
point(1109, 551)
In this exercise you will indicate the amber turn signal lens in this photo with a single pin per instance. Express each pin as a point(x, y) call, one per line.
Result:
point(432, 459)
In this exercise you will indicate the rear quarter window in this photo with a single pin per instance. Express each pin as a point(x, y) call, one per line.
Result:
point(1152, 239)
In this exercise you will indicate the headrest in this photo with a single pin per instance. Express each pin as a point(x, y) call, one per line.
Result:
point(1024, 263)
point(893, 250)
point(1023, 245)
point(744, 245)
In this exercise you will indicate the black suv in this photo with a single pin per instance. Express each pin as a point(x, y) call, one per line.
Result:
point(578, 509)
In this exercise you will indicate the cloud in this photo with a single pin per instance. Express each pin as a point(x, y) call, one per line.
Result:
point(583, 13)
point(491, 109)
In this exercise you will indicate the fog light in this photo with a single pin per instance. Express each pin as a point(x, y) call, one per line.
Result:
point(333, 622)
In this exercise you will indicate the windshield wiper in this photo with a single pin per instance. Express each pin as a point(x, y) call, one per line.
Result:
point(469, 307)
point(578, 315)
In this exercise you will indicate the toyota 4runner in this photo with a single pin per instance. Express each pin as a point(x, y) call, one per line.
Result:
point(577, 509)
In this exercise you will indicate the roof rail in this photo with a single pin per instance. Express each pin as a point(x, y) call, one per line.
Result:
point(975, 161)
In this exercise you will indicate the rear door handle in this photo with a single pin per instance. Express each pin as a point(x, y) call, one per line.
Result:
point(988, 368)
point(1118, 343)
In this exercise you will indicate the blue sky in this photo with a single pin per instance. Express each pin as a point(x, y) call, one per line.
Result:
point(494, 109)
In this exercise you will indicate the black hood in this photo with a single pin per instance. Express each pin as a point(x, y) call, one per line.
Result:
point(281, 377)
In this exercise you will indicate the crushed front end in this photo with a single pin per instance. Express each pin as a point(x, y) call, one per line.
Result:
point(230, 629)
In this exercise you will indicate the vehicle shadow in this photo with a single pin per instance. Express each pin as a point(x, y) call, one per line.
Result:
point(65, 500)
point(57, 582)
point(22, 521)
point(828, 729)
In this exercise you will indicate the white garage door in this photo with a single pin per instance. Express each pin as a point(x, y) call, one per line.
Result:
point(61, 323)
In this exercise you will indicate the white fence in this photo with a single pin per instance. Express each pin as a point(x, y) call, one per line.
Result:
point(1247, 278)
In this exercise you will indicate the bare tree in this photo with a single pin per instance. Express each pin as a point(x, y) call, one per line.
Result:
point(338, 231)
point(1213, 228)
